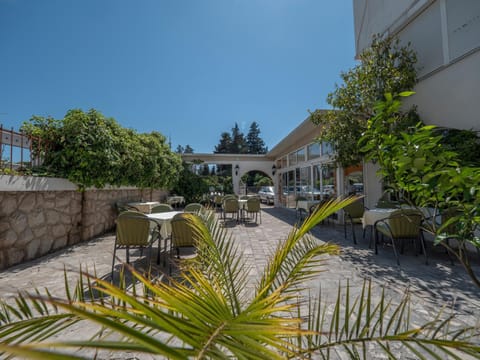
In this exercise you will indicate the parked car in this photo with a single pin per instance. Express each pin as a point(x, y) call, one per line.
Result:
point(267, 194)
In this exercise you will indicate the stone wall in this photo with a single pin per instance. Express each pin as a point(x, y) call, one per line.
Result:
point(39, 216)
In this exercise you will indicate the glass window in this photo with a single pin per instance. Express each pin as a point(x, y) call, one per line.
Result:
point(284, 163)
point(324, 181)
point(327, 148)
point(301, 155)
point(313, 151)
point(292, 159)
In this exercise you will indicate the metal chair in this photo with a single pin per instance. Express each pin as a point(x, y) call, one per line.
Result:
point(253, 207)
point(193, 207)
point(402, 225)
point(162, 208)
point(300, 213)
point(230, 206)
point(184, 232)
point(135, 230)
point(353, 214)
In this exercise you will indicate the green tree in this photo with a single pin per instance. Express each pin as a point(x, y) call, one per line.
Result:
point(210, 312)
point(225, 144)
point(255, 143)
point(385, 67)
point(416, 165)
point(239, 145)
point(91, 150)
point(190, 185)
point(188, 149)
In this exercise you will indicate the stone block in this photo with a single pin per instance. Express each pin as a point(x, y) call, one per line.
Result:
point(4, 225)
point(40, 231)
point(25, 238)
point(63, 200)
point(14, 256)
point(59, 230)
point(36, 218)
point(45, 244)
point(52, 217)
point(28, 203)
point(32, 249)
point(9, 239)
point(18, 222)
point(59, 243)
point(8, 205)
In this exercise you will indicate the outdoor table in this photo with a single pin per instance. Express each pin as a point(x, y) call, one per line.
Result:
point(306, 204)
point(163, 220)
point(371, 216)
point(175, 200)
point(144, 206)
point(241, 206)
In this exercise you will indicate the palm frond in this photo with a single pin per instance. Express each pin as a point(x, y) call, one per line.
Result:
point(360, 327)
point(297, 258)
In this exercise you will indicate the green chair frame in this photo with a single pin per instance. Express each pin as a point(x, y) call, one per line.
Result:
point(253, 207)
point(353, 214)
point(162, 208)
point(402, 225)
point(135, 230)
point(193, 207)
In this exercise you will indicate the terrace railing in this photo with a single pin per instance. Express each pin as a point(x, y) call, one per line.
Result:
point(18, 152)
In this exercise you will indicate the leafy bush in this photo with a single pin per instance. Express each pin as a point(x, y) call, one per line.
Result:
point(92, 150)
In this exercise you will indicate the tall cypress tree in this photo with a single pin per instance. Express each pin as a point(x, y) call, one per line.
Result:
point(255, 143)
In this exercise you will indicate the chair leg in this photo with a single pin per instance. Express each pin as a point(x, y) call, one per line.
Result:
point(395, 251)
point(422, 243)
point(113, 260)
point(127, 254)
point(353, 232)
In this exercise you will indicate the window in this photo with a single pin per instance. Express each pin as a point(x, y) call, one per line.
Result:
point(327, 148)
point(301, 155)
point(292, 159)
point(313, 151)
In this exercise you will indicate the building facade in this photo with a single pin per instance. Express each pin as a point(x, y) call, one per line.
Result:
point(446, 37)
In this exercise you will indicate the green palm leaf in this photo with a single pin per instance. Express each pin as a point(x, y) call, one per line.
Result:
point(205, 312)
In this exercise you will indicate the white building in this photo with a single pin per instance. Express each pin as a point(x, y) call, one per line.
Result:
point(446, 36)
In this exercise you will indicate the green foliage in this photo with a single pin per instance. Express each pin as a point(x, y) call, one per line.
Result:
point(236, 143)
point(191, 185)
point(91, 150)
point(255, 143)
point(416, 164)
point(212, 311)
point(385, 67)
point(465, 142)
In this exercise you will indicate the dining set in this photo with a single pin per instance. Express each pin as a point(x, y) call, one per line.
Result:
point(396, 225)
point(240, 208)
point(140, 224)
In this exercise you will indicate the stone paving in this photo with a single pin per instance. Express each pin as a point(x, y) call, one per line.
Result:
point(439, 284)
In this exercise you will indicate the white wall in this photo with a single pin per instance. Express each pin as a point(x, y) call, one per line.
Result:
point(451, 97)
point(446, 36)
point(381, 16)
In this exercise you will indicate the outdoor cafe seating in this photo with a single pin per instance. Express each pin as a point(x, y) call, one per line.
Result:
point(135, 230)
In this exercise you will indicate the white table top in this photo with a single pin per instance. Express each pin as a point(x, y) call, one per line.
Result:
point(175, 199)
point(373, 215)
point(306, 204)
point(144, 206)
point(162, 217)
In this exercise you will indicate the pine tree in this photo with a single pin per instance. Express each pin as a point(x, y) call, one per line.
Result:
point(225, 144)
point(255, 143)
point(239, 145)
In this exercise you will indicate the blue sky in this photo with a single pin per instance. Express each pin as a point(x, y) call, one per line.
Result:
point(189, 69)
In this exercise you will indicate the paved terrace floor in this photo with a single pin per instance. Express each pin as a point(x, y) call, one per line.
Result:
point(439, 284)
